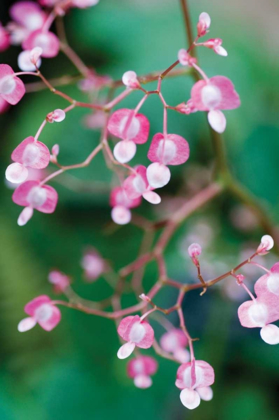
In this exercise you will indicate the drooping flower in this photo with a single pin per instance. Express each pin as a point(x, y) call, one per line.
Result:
point(130, 79)
point(47, 41)
point(175, 341)
point(121, 205)
point(213, 95)
point(171, 149)
point(195, 379)
point(216, 45)
point(41, 311)
point(93, 264)
point(137, 333)
point(132, 129)
point(140, 369)
point(264, 310)
point(266, 245)
point(136, 185)
point(30, 60)
point(203, 24)
point(12, 88)
point(28, 154)
point(32, 195)
point(59, 280)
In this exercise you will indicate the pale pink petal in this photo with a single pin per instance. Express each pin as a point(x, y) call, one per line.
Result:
point(82, 4)
point(137, 131)
point(142, 381)
point(30, 194)
point(205, 393)
point(204, 17)
point(34, 154)
point(204, 375)
point(121, 215)
point(35, 55)
point(20, 194)
point(26, 324)
point(50, 203)
point(182, 355)
point(142, 365)
point(48, 41)
point(125, 326)
point(136, 185)
point(217, 120)
point(126, 350)
point(194, 250)
point(28, 14)
point(152, 197)
point(139, 332)
point(158, 175)
point(174, 150)
point(173, 339)
point(16, 173)
point(48, 316)
point(252, 314)
point(24, 62)
point(124, 151)
point(266, 244)
point(25, 216)
point(183, 57)
point(34, 304)
point(12, 88)
point(270, 334)
point(190, 398)
point(221, 50)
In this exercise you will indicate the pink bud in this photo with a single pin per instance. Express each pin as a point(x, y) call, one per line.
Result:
point(194, 250)
point(35, 55)
point(185, 59)
point(144, 297)
point(55, 150)
point(266, 244)
point(203, 24)
point(216, 45)
point(121, 215)
point(130, 80)
point(58, 115)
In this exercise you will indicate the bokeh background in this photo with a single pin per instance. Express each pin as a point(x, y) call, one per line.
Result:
point(73, 372)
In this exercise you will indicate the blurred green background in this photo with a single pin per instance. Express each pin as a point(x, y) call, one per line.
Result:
point(73, 372)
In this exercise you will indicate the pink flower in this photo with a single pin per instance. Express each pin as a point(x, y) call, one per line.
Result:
point(41, 310)
point(4, 39)
point(93, 264)
point(32, 196)
point(195, 251)
point(262, 311)
point(27, 17)
point(140, 369)
point(57, 115)
point(175, 341)
point(136, 185)
point(195, 378)
point(132, 129)
point(165, 150)
point(60, 281)
point(11, 87)
point(29, 153)
point(137, 333)
point(25, 61)
point(121, 203)
point(216, 45)
point(185, 59)
point(213, 95)
point(203, 24)
point(130, 80)
point(47, 41)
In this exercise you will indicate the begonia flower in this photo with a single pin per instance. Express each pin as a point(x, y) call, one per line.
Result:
point(93, 264)
point(121, 205)
point(12, 88)
point(174, 342)
point(136, 185)
point(41, 311)
point(141, 369)
point(59, 280)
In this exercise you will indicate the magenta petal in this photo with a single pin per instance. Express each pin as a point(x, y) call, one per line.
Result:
point(119, 197)
point(51, 322)
point(125, 326)
point(175, 151)
point(48, 41)
point(145, 365)
point(20, 194)
point(31, 307)
point(14, 97)
point(17, 88)
point(34, 154)
point(27, 14)
point(230, 98)
point(50, 204)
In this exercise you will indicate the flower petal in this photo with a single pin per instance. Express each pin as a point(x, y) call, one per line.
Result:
point(26, 324)
point(126, 350)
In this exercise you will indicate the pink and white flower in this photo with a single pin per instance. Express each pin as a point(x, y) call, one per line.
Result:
point(132, 129)
point(47, 41)
point(137, 333)
point(174, 342)
point(185, 58)
point(267, 243)
point(216, 45)
point(136, 185)
point(28, 154)
point(57, 115)
point(213, 95)
point(203, 24)
point(41, 311)
point(130, 80)
point(121, 205)
point(264, 310)
point(32, 195)
point(170, 149)
point(140, 369)
point(12, 88)
point(93, 264)
point(59, 280)
point(25, 61)
point(195, 378)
